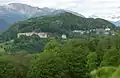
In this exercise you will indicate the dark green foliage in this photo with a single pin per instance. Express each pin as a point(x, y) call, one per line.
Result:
point(28, 44)
point(51, 45)
point(14, 66)
point(70, 58)
point(93, 42)
point(68, 61)
point(74, 54)
point(48, 64)
point(111, 58)
point(7, 69)
point(92, 61)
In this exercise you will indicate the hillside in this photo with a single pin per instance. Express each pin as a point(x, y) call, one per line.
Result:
point(3, 25)
point(58, 24)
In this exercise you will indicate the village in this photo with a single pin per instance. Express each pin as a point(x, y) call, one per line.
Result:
point(97, 31)
point(40, 34)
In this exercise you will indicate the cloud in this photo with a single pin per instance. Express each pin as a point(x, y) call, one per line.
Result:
point(86, 7)
point(9, 1)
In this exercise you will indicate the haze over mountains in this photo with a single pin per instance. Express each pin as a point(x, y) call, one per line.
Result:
point(15, 12)
point(114, 19)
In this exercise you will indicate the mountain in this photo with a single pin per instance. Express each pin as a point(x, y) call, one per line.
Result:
point(3, 24)
point(75, 13)
point(117, 23)
point(15, 12)
point(58, 24)
point(113, 19)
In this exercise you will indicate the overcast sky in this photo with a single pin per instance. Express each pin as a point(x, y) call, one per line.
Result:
point(85, 7)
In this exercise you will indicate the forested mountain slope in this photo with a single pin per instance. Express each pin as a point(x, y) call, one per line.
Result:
point(57, 24)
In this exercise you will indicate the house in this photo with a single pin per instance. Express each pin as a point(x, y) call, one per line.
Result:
point(40, 34)
point(79, 31)
point(64, 36)
point(107, 29)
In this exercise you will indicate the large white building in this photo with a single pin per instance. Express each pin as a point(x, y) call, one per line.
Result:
point(40, 34)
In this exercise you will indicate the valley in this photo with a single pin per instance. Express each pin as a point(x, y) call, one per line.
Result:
point(49, 43)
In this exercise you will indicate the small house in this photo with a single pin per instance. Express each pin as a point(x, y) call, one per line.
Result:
point(64, 36)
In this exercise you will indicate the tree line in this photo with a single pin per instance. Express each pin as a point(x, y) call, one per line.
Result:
point(96, 57)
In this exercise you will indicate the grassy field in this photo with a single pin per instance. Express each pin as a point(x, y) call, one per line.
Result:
point(2, 50)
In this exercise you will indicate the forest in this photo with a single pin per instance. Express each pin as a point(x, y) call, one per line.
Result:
point(82, 56)
point(96, 57)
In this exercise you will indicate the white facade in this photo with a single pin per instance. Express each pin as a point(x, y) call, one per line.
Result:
point(107, 29)
point(79, 31)
point(41, 34)
point(64, 36)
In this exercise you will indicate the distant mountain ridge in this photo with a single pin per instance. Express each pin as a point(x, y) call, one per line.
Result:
point(113, 19)
point(14, 12)
point(64, 23)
